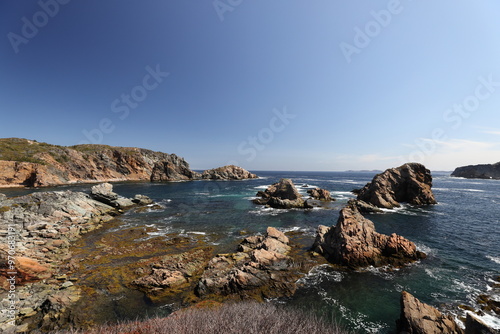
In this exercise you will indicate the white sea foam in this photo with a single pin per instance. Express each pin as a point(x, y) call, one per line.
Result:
point(488, 319)
point(495, 259)
point(199, 233)
point(262, 187)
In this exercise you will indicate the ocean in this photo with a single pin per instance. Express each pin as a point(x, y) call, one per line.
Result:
point(460, 236)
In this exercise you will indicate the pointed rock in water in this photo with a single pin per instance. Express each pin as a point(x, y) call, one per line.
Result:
point(417, 317)
point(410, 183)
point(230, 172)
point(354, 243)
point(281, 195)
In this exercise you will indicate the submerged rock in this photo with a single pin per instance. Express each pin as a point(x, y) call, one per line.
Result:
point(354, 243)
point(281, 195)
point(417, 317)
point(261, 268)
point(230, 172)
point(410, 183)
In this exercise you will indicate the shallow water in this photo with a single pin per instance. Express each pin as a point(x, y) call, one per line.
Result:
point(460, 236)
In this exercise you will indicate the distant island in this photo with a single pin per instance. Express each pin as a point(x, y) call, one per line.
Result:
point(28, 163)
point(486, 171)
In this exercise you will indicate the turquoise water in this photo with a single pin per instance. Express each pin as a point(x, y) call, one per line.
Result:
point(460, 236)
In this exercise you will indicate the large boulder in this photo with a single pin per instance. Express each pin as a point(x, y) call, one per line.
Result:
point(281, 195)
point(320, 194)
point(354, 243)
point(410, 183)
point(419, 318)
point(230, 172)
point(104, 193)
point(261, 268)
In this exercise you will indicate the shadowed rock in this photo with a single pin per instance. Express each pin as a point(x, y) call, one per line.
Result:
point(354, 243)
point(410, 183)
point(478, 171)
point(419, 318)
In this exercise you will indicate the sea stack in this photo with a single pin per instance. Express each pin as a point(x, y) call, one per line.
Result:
point(410, 183)
point(354, 243)
point(281, 195)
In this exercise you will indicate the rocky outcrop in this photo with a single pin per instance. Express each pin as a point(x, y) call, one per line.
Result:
point(230, 172)
point(320, 194)
point(473, 325)
point(354, 243)
point(410, 183)
point(419, 318)
point(29, 163)
point(104, 193)
point(172, 271)
point(260, 269)
point(281, 195)
point(488, 171)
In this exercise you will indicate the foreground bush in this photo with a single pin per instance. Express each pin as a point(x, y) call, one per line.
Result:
point(245, 317)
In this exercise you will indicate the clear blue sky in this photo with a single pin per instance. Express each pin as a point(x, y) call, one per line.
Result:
point(357, 85)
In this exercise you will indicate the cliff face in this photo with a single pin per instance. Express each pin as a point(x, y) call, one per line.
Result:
point(34, 164)
point(478, 171)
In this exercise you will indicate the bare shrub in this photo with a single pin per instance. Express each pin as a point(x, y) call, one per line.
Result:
point(243, 317)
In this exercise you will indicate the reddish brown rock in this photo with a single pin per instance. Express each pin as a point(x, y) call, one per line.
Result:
point(410, 183)
point(419, 318)
point(354, 243)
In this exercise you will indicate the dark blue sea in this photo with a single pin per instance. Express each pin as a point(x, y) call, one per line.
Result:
point(460, 235)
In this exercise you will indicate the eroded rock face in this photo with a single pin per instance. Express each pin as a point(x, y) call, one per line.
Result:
point(354, 243)
point(260, 268)
point(410, 183)
point(281, 195)
point(104, 193)
point(56, 165)
point(230, 172)
point(420, 318)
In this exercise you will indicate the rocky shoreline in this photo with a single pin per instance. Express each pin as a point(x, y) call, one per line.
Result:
point(487, 171)
point(54, 279)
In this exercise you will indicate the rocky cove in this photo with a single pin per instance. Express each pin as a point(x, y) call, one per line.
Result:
point(176, 269)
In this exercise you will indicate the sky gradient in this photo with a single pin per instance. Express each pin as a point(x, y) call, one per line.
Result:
point(268, 85)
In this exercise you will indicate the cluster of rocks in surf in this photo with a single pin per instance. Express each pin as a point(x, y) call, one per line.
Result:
point(284, 195)
point(39, 229)
point(229, 172)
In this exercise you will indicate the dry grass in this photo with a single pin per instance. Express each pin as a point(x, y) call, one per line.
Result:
point(243, 317)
